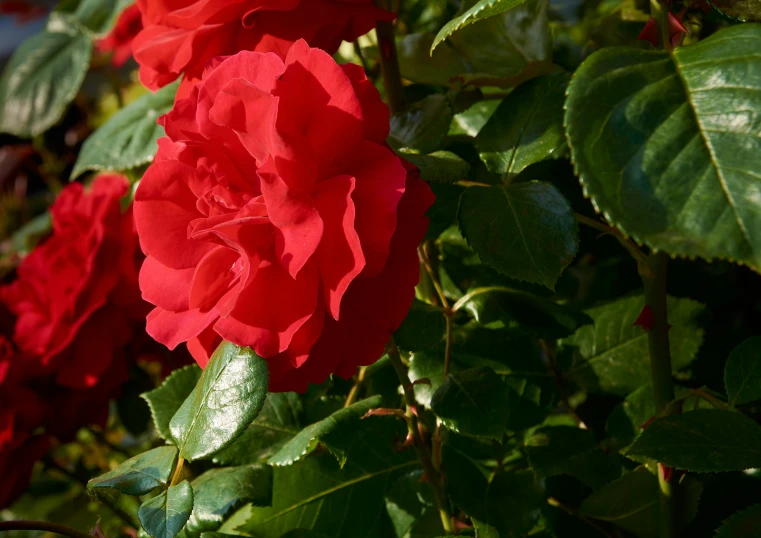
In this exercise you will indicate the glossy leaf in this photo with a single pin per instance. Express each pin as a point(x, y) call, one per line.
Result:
point(742, 373)
point(41, 79)
point(141, 474)
point(744, 524)
point(513, 502)
point(227, 398)
point(473, 402)
point(483, 9)
point(423, 126)
point(526, 231)
point(558, 450)
point(316, 493)
point(533, 314)
point(128, 138)
point(633, 503)
point(499, 47)
point(218, 492)
point(165, 515)
point(423, 328)
point(742, 10)
point(96, 16)
point(706, 440)
point(333, 431)
point(411, 507)
point(277, 423)
point(439, 166)
point(165, 400)
point(613, 355)
point(526, 128)
point(666, 145)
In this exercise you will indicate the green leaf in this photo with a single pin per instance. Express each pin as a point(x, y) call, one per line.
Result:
point(526, 128)
point(26, 238)
point(466, 483)
point(613, 355)
point(277, 423)
point(526, 231)
point(439, 166)
point(558, 450)
point(704, 441)
point(423, 328)
point(317, 494)
point(423, 126)
point(334, 431)
point(141, 474)
point(165, 400)
point(742, 10)
point(128, 138)
point(623, 424)
point(471, 121)
point(411, 507)
point(483, 9)
point(633, 503)
point(666, 146)
point(96, 16)
point(743, 524)
point(473, 402)
point(513, 502)
point(533, 314)
point(42, 77)
point(227, 398)
point(742, 373)
point(497, 48)
point(164, 516)
point(218, 492)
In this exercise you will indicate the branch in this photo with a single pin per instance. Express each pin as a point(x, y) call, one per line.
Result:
point(43, 526)
point(433, 476)
point(627, 243)
point(389, 61)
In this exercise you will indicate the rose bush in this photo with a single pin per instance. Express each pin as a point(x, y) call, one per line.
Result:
point(180, 37)
point(119, 40)
point(275, 217)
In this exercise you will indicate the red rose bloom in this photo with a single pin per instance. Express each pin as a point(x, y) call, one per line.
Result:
point(275, 217)
point(21, 412)
point(180, 36)
point(119, 41)
point(76, 294)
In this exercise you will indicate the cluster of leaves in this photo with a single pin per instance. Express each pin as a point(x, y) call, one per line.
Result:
point(530, 375)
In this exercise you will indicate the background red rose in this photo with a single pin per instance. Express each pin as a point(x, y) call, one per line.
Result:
point(119, 40)
point(275, 217)
point(76, 296)
point(181, 36)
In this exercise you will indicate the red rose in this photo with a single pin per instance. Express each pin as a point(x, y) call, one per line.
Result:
point(119, 41)
point(275, 217)
point(21, 412)
point(180, 36)
point(76, 294)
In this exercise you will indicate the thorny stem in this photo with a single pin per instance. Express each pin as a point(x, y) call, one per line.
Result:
point(433, 476)
point(42, 526)
point(428, 266)
point(355, 389)
point(627, 243)
point(660, 368)
point(660, 12)
point(389, 62)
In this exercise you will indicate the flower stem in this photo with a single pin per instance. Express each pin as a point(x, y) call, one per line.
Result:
point(355, 388)
point(433, 476)
point(660, 12)
point(389, 62)
point(42, 526)
point(661, 375)
point(177, 472)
